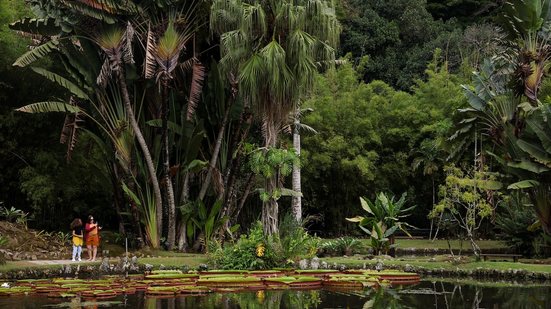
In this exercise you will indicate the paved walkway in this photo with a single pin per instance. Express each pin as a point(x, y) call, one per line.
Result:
point(65, 262)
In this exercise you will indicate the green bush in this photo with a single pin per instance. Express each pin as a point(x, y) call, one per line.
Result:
point(342, 246)
point(514, 221)
point(255, 251)
point(248, 252)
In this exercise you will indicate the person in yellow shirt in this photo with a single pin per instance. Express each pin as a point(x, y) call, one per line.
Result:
point(78, 238)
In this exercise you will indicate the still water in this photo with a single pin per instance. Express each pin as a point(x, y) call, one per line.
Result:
point(427, 294)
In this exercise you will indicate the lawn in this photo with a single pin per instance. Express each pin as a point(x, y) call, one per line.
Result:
point(188, 259)
point(443, 244)
point(439, 263)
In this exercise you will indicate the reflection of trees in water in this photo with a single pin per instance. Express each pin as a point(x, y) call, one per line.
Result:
point(439, 295)
point(454, 297)
point(464, 296)
point(384, 298)
point(277, 299)
point(520, 298)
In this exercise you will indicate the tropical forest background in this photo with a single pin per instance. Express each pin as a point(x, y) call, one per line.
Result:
point(386, 96)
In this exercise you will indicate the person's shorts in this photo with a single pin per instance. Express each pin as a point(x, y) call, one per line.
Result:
point(92, 240)
point(77, 241)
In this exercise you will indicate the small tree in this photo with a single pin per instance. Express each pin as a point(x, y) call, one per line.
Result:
point(383, 219)
point(469, 198)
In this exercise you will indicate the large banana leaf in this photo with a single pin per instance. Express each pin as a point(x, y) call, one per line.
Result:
point(45, 27)
point(62, 81)
point(50, 106)
point(36, 53)
point(529, 166)
point(536, 151)
point(525, 184)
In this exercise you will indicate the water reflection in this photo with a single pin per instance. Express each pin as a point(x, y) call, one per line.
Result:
point(427, 294)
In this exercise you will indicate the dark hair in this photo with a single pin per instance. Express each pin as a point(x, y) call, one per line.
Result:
point(76, 223)
point(90, 217)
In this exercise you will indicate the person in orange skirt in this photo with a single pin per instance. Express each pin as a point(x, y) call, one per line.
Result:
point(92, 237)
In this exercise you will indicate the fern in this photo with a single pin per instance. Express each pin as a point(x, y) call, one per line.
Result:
point(36, 53)
point(63, 82)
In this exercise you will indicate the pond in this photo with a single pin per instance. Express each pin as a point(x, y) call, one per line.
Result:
point(427, 294)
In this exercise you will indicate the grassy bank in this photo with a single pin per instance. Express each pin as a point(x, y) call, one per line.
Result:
point(439, 263)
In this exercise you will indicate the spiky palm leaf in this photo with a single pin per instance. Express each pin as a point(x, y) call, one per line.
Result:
point(197, 78)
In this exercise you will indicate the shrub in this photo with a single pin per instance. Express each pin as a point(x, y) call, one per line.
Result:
point(514, 221)
point(256, 251)
point(342, 246)
point(248, 252)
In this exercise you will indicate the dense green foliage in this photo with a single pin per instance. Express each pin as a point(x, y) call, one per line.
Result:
point(257, 250)
point(368, 136)
point(162, 110)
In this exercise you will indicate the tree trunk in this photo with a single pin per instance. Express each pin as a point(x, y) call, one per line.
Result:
point(171, 237)
point(246, 193)
point(145, 149)
point(476, 248)
point(118, 197)
point(182, 237)
point(215, 152)
point(296, 202)
point(270, 208)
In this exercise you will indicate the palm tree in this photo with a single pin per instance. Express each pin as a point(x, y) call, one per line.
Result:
point(116, 43)
point(429, 157)
point(161, 60)
point(272, 48)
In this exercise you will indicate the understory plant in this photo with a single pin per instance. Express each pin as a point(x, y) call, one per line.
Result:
point(516, 224)
point(383, 218)
point(469, 197)
point(341, 246)
point(260, 251)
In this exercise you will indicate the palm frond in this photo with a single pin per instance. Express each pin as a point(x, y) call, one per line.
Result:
point(150, 65)
point(69, 132)
point(104, 74)
point(99, 13)
point(197, 79)
point(33, 26)
point(63, 82)
point(50, 106)
point(128, 55)
point(36, 53)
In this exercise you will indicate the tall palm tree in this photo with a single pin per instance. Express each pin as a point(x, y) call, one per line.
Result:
point(116, 43)
point(272, 47)
point(161, 60)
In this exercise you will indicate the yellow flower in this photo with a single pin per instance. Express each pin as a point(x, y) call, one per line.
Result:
point(260, 249)
point(260, 296)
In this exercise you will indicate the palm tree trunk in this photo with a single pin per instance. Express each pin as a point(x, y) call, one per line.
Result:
point(270, 208)
point(184, 198)
point(171, 237)
point(145, 149)
point(216, 151)
point(296, 202)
